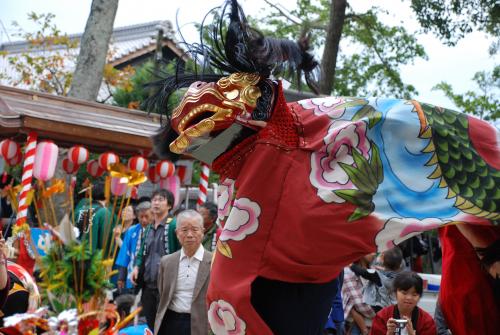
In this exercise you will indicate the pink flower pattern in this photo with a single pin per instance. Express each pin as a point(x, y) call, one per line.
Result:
point(396, 230)
point(328, 106)
point(225, 194)
point(223, 319)
point(242, 221)
point(326, 173)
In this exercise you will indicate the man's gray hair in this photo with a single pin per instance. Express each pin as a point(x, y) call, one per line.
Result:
point(189, 214)
point(145, 205)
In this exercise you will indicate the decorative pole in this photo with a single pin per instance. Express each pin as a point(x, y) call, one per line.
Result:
point(203, 187)
point(26, 256)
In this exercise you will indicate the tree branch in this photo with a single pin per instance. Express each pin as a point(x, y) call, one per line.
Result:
point(287, 16)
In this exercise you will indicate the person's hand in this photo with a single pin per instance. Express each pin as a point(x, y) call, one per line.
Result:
point(117, 231)
point(135, 274)
point(120, 284)
point(494, 270)
point(391, 326)
point(3, 253)
point(409, 326)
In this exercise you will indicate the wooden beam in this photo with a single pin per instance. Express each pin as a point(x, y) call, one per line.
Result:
point(97, 139)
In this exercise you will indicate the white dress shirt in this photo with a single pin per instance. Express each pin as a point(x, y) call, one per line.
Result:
point(186, 280)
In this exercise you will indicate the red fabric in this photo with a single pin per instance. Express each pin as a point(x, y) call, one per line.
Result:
point(303, 226)
point(425, 326)
point(466, 295)
point(24, 258)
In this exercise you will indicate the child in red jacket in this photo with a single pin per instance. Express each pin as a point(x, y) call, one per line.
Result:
point(408, 287)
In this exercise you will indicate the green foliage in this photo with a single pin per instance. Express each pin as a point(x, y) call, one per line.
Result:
point(72, 274)
point(137, 92)
point(380, 49)
point(366, 175)
point(451, 20)
point(129, 98)
point(42, 67)
point(485, 104)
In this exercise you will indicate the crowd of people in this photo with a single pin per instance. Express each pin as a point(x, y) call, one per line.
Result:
point(163, 260)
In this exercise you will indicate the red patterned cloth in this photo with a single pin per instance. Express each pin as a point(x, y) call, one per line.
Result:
point(466, 295)
point(425, 324)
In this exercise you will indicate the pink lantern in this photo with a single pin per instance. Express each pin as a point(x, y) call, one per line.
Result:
point(152, 175)
point(69, 167)
point(9, 149)
point(173, 184)
point(78, 155)
point(16, 159)
point(138, 163)
point(94, 169)
point(165, 169)
point(108, 158)
point(45, 160)
point(118, 188)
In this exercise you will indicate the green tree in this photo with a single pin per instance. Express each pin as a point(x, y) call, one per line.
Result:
point(486, 104)
point(377, 49)
point(451, 20)
point(373, 69)
point(43, 66)
point(47, 64)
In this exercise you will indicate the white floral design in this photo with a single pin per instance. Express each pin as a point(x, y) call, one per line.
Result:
point(224, 198)
point(243, 220)
point(223, 319)
point(322, 106)
point(396, 230)
point(326, 173)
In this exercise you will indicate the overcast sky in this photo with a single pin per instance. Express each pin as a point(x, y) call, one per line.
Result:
point(455, 65)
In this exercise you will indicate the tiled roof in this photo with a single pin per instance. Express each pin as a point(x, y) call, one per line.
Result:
point(124, 41)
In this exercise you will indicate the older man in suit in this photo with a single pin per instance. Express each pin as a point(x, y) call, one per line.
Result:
point(183, 281)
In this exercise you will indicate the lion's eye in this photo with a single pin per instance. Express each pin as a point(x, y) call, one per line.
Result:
point(231, 95)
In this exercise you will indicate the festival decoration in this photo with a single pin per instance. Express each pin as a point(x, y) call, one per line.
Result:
point(21, 230)
point(45, 160)
point(17, 159)
point(172, 184)
point(69, 167)
point(106, 159)
point(165, 169)
point(27, 177)
point(9, 149)
point(94, 169)
point(153, 175)
point(138, 163)
point(117, 187)
point(78, 155)
point(203, 186)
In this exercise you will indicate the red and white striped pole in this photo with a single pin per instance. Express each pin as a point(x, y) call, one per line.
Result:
point(203, 187)
point(29, 160)
point(26, 257)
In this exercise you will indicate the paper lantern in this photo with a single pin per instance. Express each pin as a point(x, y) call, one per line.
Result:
point(165, 169)
point(94, 169)
point(108, 158)
point(152, 175)
point(18, 158)
point(45, 160)
point(118, 188)
point(173, 184)
point(78, 155)
point(138, 163)
point(9, 149)
point(69, 167)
